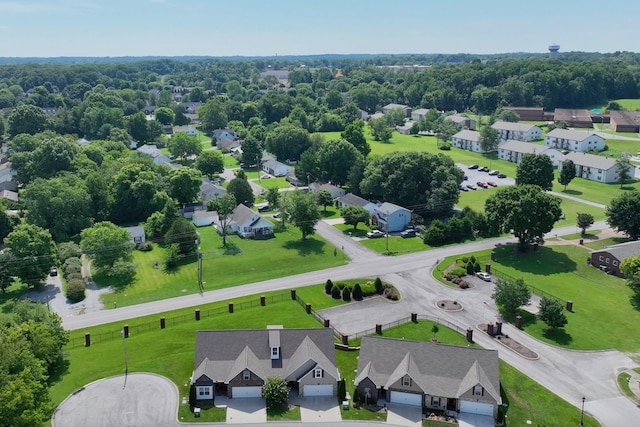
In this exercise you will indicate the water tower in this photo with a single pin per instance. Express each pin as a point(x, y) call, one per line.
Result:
point(553, 50)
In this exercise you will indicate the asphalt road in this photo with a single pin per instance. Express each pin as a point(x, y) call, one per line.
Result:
point(569, 374)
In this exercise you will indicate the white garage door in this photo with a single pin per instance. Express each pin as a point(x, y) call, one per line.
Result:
point(476, 408)
point(406, 398)
point(317, 390)
point(246, 392)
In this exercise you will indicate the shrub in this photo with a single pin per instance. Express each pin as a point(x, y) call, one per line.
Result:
point(465, 259)
point(328, 286)
point(391, 293)
point(75, 290)
point(71, 276)
point(476, 267)
point(346, 294)
point(71, 265)
point(379, 287)
point(357, 292)
point(458, 271)
point(463, 284)
point(368, 289)
point(335, 292)
point(172, 257)
point(68, 250)
point(145, 247)
point(342, 390)
point(469, 268)
point(472, 258)
point(275, 391)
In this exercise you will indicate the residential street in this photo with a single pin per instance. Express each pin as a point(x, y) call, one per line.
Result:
point(570, 374)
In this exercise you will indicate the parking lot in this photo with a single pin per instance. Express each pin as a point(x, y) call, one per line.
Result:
point(474, 176)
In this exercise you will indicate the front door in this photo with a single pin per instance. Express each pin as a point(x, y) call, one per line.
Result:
point(452, 404)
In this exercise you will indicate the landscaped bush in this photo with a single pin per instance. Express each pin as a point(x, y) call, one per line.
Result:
point(458, 271)
point(68, 250)
point(357, 292)
point(476, 267)
point(71, 265)
point(75, 290)
point(72, 276)
point(328, 286)
point(342, 390)
point(335, 292)
point(145, 247)
point(469, 268)
point(379, 287)
point(369, 289)
point(463, 284)
point(391, 293)
point(346, 294)
point(464, 259)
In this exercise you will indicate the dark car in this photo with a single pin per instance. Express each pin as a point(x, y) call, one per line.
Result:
point(408, 233)
point(263, 208)
point(53, 272)
point(484, 169)
point(491, 183)
point(473, 167)
point(502, 176)
point(481, 184)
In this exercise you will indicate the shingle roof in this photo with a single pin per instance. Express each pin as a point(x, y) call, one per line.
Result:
point(390, 208)
point(441, 370)
point(222, 355)
point(242, 214)
point(522, 147)
point(207, 187)
point(392, 105)
point(469, 135)
point(517, 127)
point(591, 160)
point(623, 250)
point(353, 200)
point(573, 135)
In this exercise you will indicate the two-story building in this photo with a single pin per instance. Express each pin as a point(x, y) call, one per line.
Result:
point(512, 151)
point(574, 140)
point(596, 168)
point(518, 131)
point(467, 140)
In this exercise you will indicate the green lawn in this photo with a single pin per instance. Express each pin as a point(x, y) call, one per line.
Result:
point(243, 261)
point(629, 104)
point(273, 183)
point(594, 191)
point(593, 234)
point(623, 383)
point(603, 243)
point(602, 316)
point(283, 413)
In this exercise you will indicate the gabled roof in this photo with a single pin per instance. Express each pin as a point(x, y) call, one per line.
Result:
point(222, 355)
point(149, 149)
point(392, 105)
point(457, 118)
point(510, 126)
point(469, 135)
point(274, 164)
point(590, 160)
point(209, 187)
point(573, 135)
point(136, 230)
point(390, 208)
point(622, 251)
point(522, 147)
point(420, 111)
point(353, 200)
point(440, 370)
point(242, 215)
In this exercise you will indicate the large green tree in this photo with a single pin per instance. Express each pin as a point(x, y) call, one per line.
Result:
point(184, 184)
point(183, 233)
point(335, 158)
point(273, 197)
point(511, 294)
point(584, 221)
point(552, 313)
point(212, 116)
point(567, 173)
point(251, 151)
point(182, 145)
point(61, 205)
point(34, 252)
point(288, 142)
point(354, 133)
point(241, 190)
point(489, 139)
point(324, 198)
point(524, 210)
point(425, 182)
point(302, 209)
point(623, 174)
point(105, 244)
point(27, 119)
point(353, 215)
point(210, 162)
point(136, 189)
point(164, 115)
point(225, 206)
point(622, 214)
point(535, 169)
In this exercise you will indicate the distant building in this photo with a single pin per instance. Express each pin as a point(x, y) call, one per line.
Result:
point(391, 218)
point(512, 151)
point(574, 140)
point(518, 131)
point(467, 140)
point(137, 233)
point(579, 118)
point(461, 120)
point(529, 114)
point(596, 168)
point(405, 109)
point(625, 121)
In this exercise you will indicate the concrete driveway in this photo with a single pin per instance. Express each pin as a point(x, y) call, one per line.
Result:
point(319, 409)
point(404, 415)
point(249, 410)
point(139, 400)
point(472, 420)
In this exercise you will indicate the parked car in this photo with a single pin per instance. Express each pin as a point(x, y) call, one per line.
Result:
point(481, 184)
point(463, 187)
point(491, 184)
point(53, 272)
point(465, 177)
point(484, 276)
point(373, 234)
point(484, 169)
point(277, 215)
point(263, 208)
point(471, 186)
point(501, 175)
point(494, 172)
point(473, 167)
point(408, 233)
point(265, 176)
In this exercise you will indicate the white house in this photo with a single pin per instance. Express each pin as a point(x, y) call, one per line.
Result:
point(209, 191)
point(225, 134)
point(574, 140)
point(512, 151)
point(137, 233)
point(391, 218)
point(351, 199)
point(275, 168)
point(158, 158)
point(405, 129)
point(248, 223)
point(518, 131)
point(596, 168)
point(334, 190)
point(416, 115)
point(461, 120)
point(467, 140)
point(204, 218)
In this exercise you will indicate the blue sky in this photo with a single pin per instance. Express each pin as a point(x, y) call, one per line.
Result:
point(299, 27)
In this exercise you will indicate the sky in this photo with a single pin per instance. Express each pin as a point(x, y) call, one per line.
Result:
point(99, 28)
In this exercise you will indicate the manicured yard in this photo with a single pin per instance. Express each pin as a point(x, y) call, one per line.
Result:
point(242, 261)
point(283, 413)
point(590, 234)
point(603, 243)
point(602, 316)
point(594, 191)
point(272, 183)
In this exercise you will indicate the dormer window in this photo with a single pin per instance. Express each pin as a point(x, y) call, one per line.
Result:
point(317, 373)
point(275, 353)
point(477, 390)
point(246, 375)
point(406, 381)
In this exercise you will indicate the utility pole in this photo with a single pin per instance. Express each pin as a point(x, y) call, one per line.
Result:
point(126, 364)
point(387, 233)
point(199, 255)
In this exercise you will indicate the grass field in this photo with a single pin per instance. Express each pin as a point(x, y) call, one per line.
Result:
point(629, 104)
point(242, 261)
point(272, 183)
point(561, 271)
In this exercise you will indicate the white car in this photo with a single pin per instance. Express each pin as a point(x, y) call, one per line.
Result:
point(375, 233)
point(484, 276)
point(265, 176)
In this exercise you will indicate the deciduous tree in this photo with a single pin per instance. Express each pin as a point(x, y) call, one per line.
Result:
point(511, 294)
point(273, 198)
point(241, 190)
point(224, 206)
point(353, 215)
point(552, 313)
point(535, 169)
point(354, 134)
point(567, 173)
point(275, 391)
point(623, 174)
point(302, 210)
point(210, 162)
point(622, 214)
point(335, 158)
point(105, 243)
point(182, 145)
point(27, 119)
point(251, 151)
point(584, 221)
point(324, 198)
point(183, 233)
point(164, 115)
point(288, 142)
point(34, 253)
point(489, 139)
point(184, 184)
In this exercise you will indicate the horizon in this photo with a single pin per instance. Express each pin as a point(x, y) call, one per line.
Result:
point(254, 28)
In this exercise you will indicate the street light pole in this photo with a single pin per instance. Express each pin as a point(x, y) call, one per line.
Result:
point(582, 412)
point(126, 364)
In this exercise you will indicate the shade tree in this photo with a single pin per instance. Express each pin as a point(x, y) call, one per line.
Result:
point(535, 169)
point(34, 252)
point(105, 244)
point(622, 214)
point(511, 294)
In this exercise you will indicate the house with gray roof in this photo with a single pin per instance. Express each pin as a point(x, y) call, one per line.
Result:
point(405, 109)
point(429, 375)
point(518, 131)
point(246, 222)
point(512, 151)
point(334, 190)
point(236, 363)
point(574, 140)
point(275, 168)
point(138, 236)
point(596, 168)
point(211, 191)
point(463, 121)
point(390, 217)
point(467, 140)
point(351, 199)
point(418, 114)
point(610, 258)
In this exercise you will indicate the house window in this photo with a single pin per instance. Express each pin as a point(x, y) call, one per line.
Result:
point(246, 375)
point(275, 352)
point(204, 391)
point(615, 262)
point(600, 258)
point(406, 381)
point(606, 260)
point(435, 401)
point(477, 390)
point(317, 373)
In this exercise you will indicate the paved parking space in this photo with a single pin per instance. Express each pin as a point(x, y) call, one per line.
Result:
point(319, 409)
point(474, 176)
point(404, 415)
point(246, 410)
point(471, 420)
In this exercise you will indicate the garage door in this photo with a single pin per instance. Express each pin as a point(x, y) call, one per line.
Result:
point(239, 392)
point(317, 390)
point(406, 398)
point(476, 408)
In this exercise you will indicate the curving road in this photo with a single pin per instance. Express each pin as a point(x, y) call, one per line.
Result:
point(569, 374)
